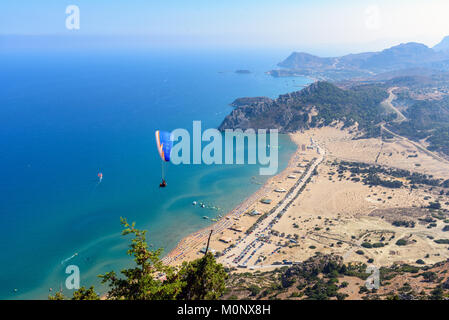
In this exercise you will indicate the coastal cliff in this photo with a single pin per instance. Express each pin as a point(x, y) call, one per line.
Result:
point(319, 104)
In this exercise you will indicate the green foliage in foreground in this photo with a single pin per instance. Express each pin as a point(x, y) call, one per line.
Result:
point(150, 279)
point(202, 279)
point(81, 294)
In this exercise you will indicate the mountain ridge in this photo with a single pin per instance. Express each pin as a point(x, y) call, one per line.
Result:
point(402, 56)
point(443, 45)
point(320, 103)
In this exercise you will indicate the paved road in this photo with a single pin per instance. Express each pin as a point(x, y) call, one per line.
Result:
point(417, 145)
point(249, 243)
point(388, 103)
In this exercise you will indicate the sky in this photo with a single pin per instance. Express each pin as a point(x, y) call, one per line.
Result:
point(357, 25)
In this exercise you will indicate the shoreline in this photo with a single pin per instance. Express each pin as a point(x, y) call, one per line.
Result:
point(194, 240)
point(296, 228)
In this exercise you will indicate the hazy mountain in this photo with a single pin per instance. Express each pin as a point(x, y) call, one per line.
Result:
point(301, 59)
point(443, 45)
point(404, 56)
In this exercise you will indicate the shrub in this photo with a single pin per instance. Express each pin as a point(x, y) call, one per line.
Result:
point(442, 241)
point(434, 205)
point(378, 245)
point(255, 290)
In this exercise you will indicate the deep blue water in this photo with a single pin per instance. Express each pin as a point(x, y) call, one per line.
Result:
point(66, 116)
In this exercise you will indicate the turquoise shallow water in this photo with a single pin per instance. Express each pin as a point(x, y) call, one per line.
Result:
point(66, 116)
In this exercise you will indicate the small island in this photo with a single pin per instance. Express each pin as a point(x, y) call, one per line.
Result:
point(242, 71)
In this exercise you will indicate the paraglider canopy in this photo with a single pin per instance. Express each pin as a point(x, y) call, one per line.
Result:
point(164, 144)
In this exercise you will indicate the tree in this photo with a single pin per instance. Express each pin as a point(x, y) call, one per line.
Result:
point(146, 280)
point(85, 294)
point(429, 276)
point(255, 290)
point(57, 296)
point(434, 205)
point(202, 279)
point(437, 293)
point(150, 279)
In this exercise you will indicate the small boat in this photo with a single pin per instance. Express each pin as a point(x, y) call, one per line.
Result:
point(202, 205)
point(205, 217)
point(194, 203)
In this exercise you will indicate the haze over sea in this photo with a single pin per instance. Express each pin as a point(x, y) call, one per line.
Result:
point(65, 116)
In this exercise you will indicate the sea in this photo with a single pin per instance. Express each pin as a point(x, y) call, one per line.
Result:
point(67, 115)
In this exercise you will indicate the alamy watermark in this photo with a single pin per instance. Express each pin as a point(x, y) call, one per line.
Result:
point(258, 150)
point(72, 21)
point(72, 282)
point(373, 281)
point(373, 18)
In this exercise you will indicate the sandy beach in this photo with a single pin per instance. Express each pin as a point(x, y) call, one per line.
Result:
point(312, 210)
point(189, 247)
